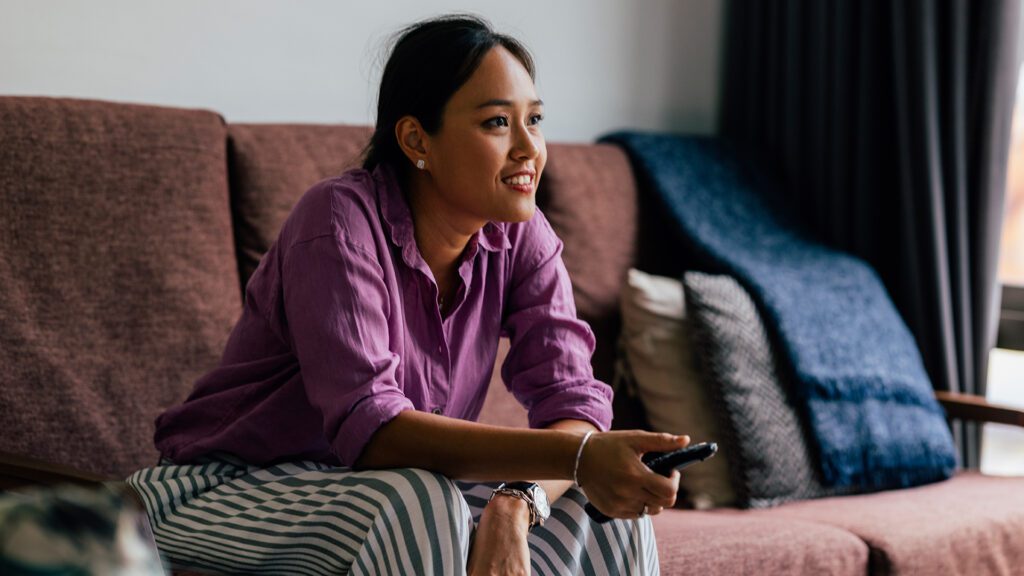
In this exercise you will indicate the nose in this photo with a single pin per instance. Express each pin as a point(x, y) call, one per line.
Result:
point(527, 145)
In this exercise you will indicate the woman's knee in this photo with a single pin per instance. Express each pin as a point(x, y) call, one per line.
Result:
point(437, 490)
point(437, 478)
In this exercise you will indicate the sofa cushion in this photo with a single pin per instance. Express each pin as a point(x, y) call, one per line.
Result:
point(500, 407)
point(272, 166)
point(971, 524)
point(117, 271)
point(763, 437)
point(588, 194)
point(735, 542)
point(658, 360)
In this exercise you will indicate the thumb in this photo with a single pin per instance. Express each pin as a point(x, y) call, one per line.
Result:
point(661, 442)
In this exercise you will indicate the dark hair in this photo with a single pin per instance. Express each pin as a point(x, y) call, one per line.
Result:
point(429, 62)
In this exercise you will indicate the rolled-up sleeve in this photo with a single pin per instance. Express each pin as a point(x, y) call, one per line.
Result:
point(335, 301)
point(548, 367)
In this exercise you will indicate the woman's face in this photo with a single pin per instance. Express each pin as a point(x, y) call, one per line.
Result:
point(490, 131)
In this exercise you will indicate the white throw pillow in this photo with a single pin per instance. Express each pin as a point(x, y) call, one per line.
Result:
point(656, 342)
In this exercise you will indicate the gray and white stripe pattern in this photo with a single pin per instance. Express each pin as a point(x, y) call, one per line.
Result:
point(222, 515)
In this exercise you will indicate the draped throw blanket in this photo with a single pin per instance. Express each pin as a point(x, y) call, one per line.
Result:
point(856, 370)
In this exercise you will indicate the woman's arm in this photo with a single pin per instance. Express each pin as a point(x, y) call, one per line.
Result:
point(616, 480)
point(516, 508)
point(471, 451)
point(555, 488)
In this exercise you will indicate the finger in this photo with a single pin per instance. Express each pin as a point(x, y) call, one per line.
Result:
point(660, 488)
point(638, 509)
point(675, 488)
point(658, 492)
point(654, 510)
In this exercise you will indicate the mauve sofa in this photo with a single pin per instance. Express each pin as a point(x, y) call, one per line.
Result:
point(127, 233)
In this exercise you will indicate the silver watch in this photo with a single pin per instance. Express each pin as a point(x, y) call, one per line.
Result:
point(534, 496)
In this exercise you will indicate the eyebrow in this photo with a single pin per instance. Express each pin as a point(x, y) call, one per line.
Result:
point(506, 103)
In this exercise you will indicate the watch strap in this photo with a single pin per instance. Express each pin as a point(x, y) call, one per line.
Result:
point(519, 490)
point(520, 485)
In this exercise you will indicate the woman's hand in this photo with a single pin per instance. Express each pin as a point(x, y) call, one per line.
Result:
point(499, 542)
point(615, 479)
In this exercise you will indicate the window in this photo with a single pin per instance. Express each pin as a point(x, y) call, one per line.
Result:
point(1011, 257)
point(1002, 449)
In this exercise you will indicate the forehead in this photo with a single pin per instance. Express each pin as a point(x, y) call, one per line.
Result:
point(500, 76)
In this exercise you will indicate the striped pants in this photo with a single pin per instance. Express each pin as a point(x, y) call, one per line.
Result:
point(222, 515)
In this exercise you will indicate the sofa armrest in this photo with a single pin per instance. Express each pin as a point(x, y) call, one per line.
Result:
point(17, 471)
point(971, 407)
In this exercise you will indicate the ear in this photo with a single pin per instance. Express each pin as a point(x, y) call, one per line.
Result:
point(412, 139)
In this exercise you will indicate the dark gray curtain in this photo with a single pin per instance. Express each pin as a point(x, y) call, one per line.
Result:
point(888, 124)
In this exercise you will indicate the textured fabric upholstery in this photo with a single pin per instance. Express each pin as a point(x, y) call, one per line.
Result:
point(731, 542)
point(117, 270)
point(764, 439)
point(968, 525)
point(658, 359)
point(588, 194)
point(856, 369)
point(272, 165)
point(500, 407)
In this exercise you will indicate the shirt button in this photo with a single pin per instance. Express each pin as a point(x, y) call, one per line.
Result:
point(436, 410)
point(440, 349)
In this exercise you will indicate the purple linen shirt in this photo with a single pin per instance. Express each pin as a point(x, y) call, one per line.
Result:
point(341, 331)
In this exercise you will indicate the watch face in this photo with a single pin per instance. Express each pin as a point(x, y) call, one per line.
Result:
point(537, 494)
point(540, 498)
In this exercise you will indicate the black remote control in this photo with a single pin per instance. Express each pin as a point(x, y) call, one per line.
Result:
point(664, 463)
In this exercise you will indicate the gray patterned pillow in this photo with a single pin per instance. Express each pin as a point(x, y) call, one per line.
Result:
point(764, 437)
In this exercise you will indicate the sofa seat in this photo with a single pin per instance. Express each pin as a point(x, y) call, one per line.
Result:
point(736, 542)
point(971, 524)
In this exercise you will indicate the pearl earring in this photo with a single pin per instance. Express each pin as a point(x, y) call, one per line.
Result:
point(420, 164)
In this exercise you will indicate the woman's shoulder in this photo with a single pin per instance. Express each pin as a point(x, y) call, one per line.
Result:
point(343, 206)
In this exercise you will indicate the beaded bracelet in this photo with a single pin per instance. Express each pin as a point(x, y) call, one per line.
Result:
point(579, 453)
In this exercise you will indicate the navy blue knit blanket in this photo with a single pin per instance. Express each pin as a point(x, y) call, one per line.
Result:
point(857, 372)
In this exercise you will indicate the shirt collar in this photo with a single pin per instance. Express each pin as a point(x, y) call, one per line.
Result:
point(398, 218)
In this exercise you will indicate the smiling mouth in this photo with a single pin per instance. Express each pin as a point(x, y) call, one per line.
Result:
point(522, 183)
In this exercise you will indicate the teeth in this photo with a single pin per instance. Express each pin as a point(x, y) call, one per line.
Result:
point(519, 180)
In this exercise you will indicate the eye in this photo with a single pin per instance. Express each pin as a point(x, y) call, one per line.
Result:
point(497, 122)
point(536, 119)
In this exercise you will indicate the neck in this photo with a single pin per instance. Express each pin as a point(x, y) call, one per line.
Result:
point(440, 234)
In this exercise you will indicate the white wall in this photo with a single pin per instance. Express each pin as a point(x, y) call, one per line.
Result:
point(602, 64)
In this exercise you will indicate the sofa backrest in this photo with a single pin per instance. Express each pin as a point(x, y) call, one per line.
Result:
point(117, 270)
point(270, 167)
point(127, 233)
point(587, 192)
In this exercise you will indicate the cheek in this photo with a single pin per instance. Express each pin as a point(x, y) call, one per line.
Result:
point(470, 163)
point(487, 159)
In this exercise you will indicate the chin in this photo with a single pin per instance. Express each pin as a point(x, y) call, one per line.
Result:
point(522, 213)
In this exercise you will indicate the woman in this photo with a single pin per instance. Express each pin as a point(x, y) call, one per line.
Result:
point(337, 434)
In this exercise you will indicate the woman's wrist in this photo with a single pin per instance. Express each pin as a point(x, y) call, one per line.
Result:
point(514, 510)
point(579, 455)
